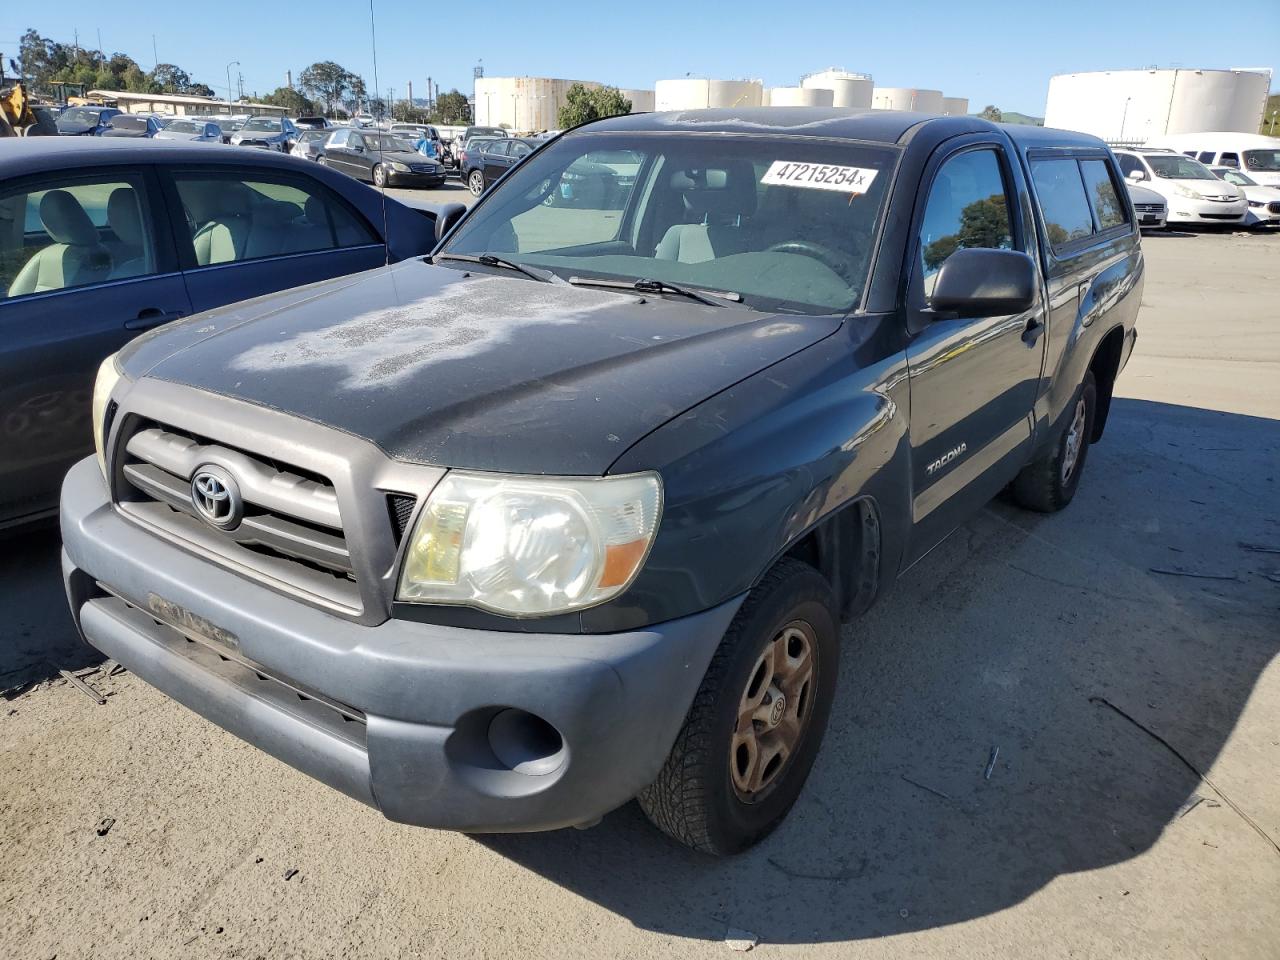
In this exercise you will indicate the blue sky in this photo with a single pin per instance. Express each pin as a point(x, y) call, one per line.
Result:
point(993, 52)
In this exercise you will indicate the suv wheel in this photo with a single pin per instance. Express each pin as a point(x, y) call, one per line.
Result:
point(1048, 483)
point(750, 738)
point(379, 175)
point(475, 182)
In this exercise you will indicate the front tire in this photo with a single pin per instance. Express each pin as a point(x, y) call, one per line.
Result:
point(475, 183)
point(1049, 483)
point(379, 175)
point(753, 731)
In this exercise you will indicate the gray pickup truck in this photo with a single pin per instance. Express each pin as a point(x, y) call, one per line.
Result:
point(572, 511)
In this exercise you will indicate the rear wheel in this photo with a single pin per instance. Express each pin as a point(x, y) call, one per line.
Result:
point(475, 182)
point(1049, 483)
point(751, 736)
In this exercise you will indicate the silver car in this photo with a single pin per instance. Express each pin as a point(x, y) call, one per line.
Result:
point(195, 131)
point(310, 144)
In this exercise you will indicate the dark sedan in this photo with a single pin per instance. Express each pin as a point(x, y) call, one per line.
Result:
point(381, 159)
point(102, 239)
point(485, 165)
point(85, 121)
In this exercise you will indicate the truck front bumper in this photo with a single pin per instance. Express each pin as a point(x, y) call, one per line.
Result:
point(435, 726)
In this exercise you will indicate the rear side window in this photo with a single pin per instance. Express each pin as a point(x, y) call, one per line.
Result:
point(247, 217)
point(1067, 216)
point(967, 208)
point(1206, 156)
point(1107, 207)
point(1230, 160)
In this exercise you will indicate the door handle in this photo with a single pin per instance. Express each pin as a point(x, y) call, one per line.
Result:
point(152, 317)
point(1030, 335)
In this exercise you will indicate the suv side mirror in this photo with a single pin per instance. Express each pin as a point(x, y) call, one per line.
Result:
point(983, 282)
point(1137, 176)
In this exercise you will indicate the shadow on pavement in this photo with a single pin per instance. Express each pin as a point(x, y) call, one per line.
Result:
point(1000, 638)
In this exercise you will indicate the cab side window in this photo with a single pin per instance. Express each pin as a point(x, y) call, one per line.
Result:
point(1063, 202)
point(968, 207)
point(1107, 208)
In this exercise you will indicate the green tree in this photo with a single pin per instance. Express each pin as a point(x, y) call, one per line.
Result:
point(584, 104)
point(292, 100)
point(327, 82)
point(451, 108)
point(991, 113)
point(983, 223)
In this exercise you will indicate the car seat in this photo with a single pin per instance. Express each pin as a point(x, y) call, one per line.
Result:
point(717, 200)
point(75, 257)
point(125, 220)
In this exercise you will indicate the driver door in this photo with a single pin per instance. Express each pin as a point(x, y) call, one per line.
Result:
point(973, 381)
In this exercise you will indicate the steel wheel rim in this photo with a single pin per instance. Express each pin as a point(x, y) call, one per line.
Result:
point(1075, 438)
point(774, 711)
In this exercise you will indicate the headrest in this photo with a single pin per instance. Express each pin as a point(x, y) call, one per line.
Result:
point(124, 217)
point(315, 211)
point(727, 191)
point(65, 220)
point(234, 200)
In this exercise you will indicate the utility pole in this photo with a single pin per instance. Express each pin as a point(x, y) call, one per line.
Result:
point(409, 97)
point(233, 63)
point(101, 53)
point(239, 85)
point(155, 57)
point(288, 78)
point(431, 103)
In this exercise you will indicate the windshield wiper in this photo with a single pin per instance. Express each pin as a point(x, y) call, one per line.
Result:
point(644, 285)
point(491, 260)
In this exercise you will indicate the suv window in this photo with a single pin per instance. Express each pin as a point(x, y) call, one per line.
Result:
point(250, 216)
point(1229, 160)
point(339, 138)
point(968, 207)
point(55, 235)
point(1063, 202)
point(1129, 163)
point(1107, 208)
point(1206, 156)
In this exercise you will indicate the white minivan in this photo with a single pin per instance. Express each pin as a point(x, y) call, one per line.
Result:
point(1251, 153)
point(1193, 193)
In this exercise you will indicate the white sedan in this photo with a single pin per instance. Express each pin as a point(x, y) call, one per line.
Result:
point(1264, 202)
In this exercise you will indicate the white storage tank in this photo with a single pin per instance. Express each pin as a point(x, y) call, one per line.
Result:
point(847, 89)
point(955, 106)
point(642, 101)
point(1134, 106)
point(522, 104)
point(800, 97)
point(907, 98)
point(689, 94)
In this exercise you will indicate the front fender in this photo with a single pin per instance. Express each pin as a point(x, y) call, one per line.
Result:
point(753, 468)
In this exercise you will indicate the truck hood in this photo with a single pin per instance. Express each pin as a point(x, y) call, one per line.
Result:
point(443, 366)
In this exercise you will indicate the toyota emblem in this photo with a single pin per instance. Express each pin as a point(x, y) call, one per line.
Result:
point(216, 498)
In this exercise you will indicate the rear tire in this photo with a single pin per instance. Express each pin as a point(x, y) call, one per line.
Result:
point(756, 723)
point(1050, 482)
point(475, 183)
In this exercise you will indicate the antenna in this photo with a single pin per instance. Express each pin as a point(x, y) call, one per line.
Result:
point(373, 40)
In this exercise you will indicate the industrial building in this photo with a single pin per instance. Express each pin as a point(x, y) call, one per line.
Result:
point(907, 98)
point(522, 104)
point(1136, 106)
point(180, 105)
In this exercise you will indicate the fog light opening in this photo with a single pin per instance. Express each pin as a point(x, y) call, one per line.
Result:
point(525, 743)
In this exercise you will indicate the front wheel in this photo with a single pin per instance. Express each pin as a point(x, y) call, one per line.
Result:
point(379, 175)
point(475, 182)
point(1049, 483)
point(751, 736)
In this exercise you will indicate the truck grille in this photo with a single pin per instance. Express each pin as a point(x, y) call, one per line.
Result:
point(286, 530)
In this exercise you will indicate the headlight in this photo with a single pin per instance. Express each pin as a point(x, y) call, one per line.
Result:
point(530, 546)
point(1185, 191)
point(108, 377)
point(397, 165)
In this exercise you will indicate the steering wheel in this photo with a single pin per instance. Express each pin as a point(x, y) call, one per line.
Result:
point(837, 262)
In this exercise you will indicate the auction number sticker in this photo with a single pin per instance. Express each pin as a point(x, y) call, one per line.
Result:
point(819, 176)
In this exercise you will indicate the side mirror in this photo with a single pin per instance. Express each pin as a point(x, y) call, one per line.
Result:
point(358, 149)
point(1137, 176)
point(984, 283)
point(448, 214)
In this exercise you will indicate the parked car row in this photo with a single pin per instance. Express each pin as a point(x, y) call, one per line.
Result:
point(1195, 194)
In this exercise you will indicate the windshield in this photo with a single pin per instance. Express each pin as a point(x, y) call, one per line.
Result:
point(185, 126)
point(787, 223)
point(262, 123)
point(1267, 160)
point(486, 132)
point(1239, 179)
point(312, 136)
point(1174, 166)
point(81, 115)
point(128, 123)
